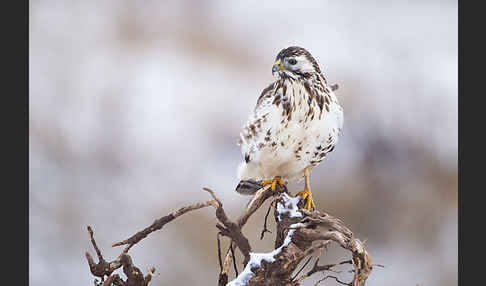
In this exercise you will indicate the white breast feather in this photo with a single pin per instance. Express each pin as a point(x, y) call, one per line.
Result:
point(276, 154)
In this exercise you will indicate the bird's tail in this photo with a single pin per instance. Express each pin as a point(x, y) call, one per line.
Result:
point(248, 187)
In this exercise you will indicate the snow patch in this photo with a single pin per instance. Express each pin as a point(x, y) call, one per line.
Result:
point(289, 206)
point(298, 225)
point(256, 260)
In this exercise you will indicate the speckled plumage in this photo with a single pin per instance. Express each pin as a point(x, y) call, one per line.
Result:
point(296, 122)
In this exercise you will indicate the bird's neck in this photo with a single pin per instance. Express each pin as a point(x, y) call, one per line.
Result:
point(314, 81)
point(314, 78)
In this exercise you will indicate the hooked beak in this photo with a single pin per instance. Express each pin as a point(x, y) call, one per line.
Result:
point(276, 67)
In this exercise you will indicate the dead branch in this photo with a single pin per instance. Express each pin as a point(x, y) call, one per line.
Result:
point(104, 268)
point(255, 203)
point(159, 223)
point(265, 229)
point(299, 234)
point(133, 274)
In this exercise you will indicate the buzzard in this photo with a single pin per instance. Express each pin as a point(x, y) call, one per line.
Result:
point(296, 122)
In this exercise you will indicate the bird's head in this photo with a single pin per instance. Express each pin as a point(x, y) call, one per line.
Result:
point(295, 62)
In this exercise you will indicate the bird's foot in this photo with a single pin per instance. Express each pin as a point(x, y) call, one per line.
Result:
point(274, 182)
point(307, 195)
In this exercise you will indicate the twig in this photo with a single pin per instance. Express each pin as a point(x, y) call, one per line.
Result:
point(234, 259)
point(101, 268)
point(219, 252)
point(265, 229)
point(93, 242)
point(159, 223)
point(318, 268)
point(330, 276)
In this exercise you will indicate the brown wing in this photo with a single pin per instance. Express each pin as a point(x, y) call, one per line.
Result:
point(265, 92)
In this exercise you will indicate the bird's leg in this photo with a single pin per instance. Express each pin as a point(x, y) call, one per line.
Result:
point(274, 182)
point(306, 193)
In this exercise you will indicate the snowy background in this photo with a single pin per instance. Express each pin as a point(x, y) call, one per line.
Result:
point(137, 105)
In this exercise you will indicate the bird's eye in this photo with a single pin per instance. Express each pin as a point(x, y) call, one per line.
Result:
point(292, 61)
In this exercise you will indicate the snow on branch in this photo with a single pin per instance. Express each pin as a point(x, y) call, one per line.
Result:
point(299, 234)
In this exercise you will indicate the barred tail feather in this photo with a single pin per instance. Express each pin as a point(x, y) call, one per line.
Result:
point(248, 187)
point(247, 173)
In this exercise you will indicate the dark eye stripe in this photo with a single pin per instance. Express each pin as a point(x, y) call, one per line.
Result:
point(295, 51)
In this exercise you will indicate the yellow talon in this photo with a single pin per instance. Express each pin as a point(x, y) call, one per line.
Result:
point(307, 195)
point(274, 182)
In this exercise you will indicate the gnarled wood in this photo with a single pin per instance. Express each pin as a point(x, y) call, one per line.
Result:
point(299, 234)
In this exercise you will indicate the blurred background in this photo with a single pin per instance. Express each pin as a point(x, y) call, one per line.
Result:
point(137, 105)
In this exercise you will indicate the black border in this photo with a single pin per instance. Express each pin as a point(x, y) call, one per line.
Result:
point(15, 137)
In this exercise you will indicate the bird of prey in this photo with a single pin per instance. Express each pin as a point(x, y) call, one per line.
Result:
point(296, 122)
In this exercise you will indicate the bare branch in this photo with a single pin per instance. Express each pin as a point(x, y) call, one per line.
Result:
point(159, 223)
point(104, 268)
point(234, 259)
point(299, 234)
point(255, 203)
point(233, 231)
